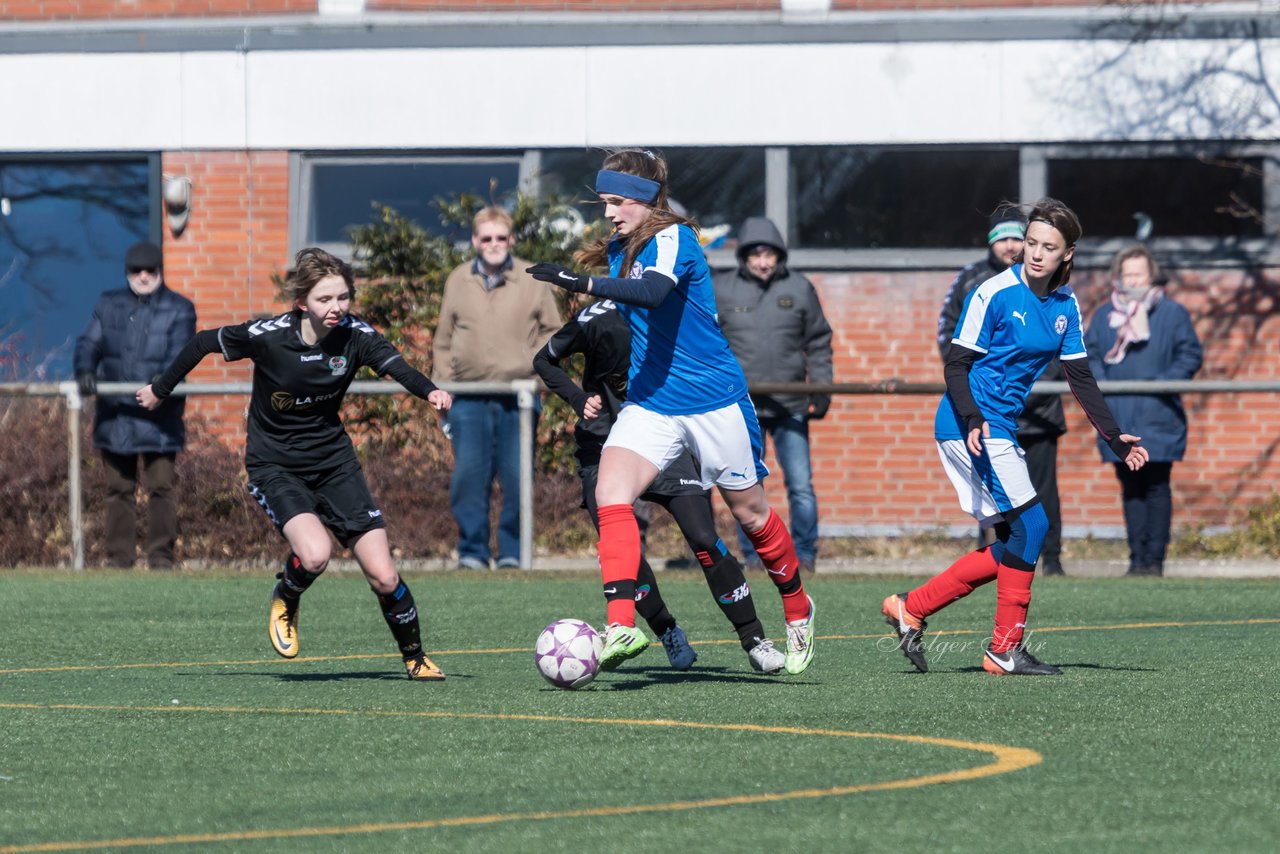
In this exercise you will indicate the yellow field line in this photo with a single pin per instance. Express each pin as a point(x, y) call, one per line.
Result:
point(1007, 759)
point(1254, 621)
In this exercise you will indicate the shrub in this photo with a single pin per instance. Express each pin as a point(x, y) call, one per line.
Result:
point(219, 522)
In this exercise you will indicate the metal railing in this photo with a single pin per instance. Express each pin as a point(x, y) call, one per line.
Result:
point(523, 390)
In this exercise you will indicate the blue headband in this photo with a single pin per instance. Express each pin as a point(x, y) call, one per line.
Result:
point(613, 183)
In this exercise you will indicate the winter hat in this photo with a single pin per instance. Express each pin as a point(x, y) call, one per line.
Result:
point(143, 255)
point(1008, 221)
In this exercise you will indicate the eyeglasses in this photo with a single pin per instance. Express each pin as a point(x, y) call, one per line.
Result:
point(133, 271)
point(495, 238)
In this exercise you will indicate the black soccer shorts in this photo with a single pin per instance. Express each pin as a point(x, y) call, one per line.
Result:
point(339, 496)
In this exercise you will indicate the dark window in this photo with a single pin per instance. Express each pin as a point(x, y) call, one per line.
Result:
point(865, 198)
point(342, 193)
point(64, 229)
point(1183, 196)
point(718, 187)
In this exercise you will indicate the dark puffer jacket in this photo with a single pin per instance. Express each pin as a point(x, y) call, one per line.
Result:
point(132, 339)
point(776, 328)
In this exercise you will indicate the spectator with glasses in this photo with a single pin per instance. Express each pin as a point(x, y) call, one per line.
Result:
point(134, 333)
point(493, 319)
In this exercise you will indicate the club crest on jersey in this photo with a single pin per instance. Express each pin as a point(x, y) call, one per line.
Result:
point(338, 364)
point(1060, 325)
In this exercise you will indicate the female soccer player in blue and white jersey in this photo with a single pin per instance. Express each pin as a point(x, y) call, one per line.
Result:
point(685, 391)
point(1012, 326)
point(302, 467)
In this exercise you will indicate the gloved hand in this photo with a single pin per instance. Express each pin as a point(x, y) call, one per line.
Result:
point(560, 276)
point(818, 406)
point(87, 383)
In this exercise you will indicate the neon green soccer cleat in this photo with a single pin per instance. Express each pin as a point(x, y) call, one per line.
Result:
point(800, 643)
point(620, 643)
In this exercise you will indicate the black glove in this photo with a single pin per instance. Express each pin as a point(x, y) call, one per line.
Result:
point(818, 406)
point(87, 383)
point(560, 276)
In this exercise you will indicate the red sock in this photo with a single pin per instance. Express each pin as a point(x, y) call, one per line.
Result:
point(955, 582)
point(1013, 596)
point(619, 550)
point(778, 554)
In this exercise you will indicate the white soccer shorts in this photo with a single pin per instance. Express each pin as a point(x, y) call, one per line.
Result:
point(991, 484)
point(728, 451)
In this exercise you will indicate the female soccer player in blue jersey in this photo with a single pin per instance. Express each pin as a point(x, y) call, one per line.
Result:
point(600, 333)
point(686, 391)
point(302, 467)
point(1012, 326)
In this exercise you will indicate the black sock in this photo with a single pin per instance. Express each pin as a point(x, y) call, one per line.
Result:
point(733, 594)
point(402, 618)
point(296, 579)
point(649, 602)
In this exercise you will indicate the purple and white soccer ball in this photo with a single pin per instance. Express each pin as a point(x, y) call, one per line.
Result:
point(568, 653)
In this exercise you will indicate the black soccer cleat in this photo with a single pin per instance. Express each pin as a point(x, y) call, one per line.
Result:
point(908, 627)
point(1017, 662)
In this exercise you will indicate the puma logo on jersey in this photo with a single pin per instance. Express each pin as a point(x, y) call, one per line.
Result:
point(1021, 317)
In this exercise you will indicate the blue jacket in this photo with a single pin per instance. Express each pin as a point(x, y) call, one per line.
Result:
point(1172, 353)
point(132, 339)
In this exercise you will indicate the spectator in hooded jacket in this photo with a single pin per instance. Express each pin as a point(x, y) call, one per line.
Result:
point(775, 326)
point(132, 336)
point(1142, 334)
point(1043, 421)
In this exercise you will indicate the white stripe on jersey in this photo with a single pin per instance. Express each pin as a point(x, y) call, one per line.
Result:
point(668, 243)
point(595, 310)
point(976, 309)
point(357, 324)
point(258, 327)
point(1082, 354)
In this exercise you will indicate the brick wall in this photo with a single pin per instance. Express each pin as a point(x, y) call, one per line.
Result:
point(72, 10)
point(874, 457)
point(236, 239)
point(875, 461)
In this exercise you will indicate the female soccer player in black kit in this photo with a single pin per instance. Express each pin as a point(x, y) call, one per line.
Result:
point(302, 467)
point(601, 334)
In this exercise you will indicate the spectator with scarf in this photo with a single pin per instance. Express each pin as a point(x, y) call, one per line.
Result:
point(1142, 334)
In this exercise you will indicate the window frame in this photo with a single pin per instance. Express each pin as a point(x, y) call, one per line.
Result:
point(302, 166)
point(1033, 171)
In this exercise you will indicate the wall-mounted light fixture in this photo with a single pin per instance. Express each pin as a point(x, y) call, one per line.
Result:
point(177, 202)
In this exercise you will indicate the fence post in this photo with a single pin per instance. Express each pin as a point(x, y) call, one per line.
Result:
point(71, 394)
point(525, 391)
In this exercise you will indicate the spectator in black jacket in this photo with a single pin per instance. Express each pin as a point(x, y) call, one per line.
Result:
point(135, 332)
point(778, 332)
point(1042, 422)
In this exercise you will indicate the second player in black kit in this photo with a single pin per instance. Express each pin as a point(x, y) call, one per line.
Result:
point(601, 334)
point(302, 466)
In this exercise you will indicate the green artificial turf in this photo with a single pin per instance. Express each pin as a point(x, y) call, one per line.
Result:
point(148, 711)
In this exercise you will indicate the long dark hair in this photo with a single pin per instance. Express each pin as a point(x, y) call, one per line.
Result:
point(645, 164)
point(1054, 213)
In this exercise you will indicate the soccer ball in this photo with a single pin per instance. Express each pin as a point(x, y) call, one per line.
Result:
point(568, 653)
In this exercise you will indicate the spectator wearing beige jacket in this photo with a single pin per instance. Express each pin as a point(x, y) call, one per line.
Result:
point(493, 319)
